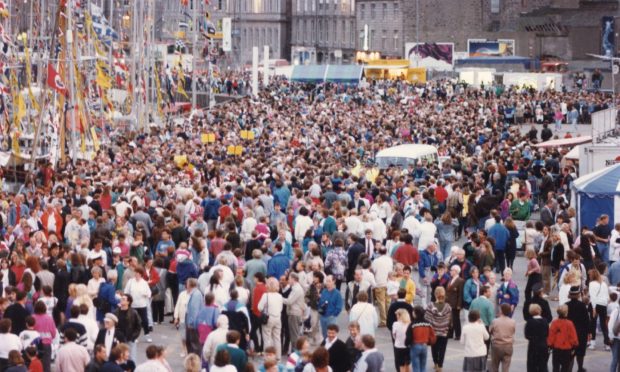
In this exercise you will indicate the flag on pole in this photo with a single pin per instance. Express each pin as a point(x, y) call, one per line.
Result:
point(54, 80)
point(181, 81)
point(103, 80)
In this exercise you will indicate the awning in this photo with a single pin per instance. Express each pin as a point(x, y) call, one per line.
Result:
point(343, 73)
point(309, 73)
point(386, 67)
point(565, 142)
point(573, 154)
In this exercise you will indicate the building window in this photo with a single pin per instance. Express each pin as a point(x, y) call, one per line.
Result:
point(353, 7)
point(305, 5)
point(495, 6)
point(396, 43)
point(335, 26)
point(371, 41)
point(344, 32)
point(373, 12)
point(344, 6)
point(396, 9)
point(384, 40)
point(314, 5)
point(362, 11)
point(385, 10)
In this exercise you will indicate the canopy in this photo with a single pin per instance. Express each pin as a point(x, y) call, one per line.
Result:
point(598, 193)
point(309, 73)
point(565, 142)
point(350, 74)
point(573, 154)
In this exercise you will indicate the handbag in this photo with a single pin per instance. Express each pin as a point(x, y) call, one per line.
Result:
point(264, 315)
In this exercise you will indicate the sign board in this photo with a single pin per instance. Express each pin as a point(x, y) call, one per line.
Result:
point(491, 48)
point(227, 34)
point(433, 56)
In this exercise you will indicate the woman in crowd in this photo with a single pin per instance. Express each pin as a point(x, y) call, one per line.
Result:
point(399, 334)
point(599, 298)
point(536, 332)
point(562, 340)
point(439, 315)
point(270, 305)
point(474, 337)
point(421, 334)
point(533, 273)
point(511, 246)
point(446, 227)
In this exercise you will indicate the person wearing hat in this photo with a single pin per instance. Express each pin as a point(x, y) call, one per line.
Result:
point(539, 300)
point(579, 315)
point(110, 336)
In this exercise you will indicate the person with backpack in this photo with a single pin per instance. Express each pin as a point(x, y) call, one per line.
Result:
point(106, 300)
point(207, 318)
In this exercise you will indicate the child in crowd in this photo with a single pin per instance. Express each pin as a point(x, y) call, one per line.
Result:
point(392, 286)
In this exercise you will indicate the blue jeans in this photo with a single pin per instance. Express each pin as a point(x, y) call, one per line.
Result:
point(418, 357)
point(615, 354)
point(325, 321)
point(603, 250)
point(445, 246)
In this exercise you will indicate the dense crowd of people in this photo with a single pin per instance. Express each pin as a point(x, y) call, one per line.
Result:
point(255, 256)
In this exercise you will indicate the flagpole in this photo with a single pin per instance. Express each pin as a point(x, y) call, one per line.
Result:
point(71, 82)
point(194, 51)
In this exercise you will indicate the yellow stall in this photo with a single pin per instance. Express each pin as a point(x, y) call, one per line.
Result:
point(392, 69)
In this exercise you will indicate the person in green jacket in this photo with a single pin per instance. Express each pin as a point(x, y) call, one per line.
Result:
point(238, 357)
point(520, 208)
point(484, 305)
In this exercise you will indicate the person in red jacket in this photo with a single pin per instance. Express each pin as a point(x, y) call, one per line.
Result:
point(420, 335)
point(407, 254)
point(562, 339)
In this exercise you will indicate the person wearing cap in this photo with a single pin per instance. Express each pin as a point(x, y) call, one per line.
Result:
point(539, 300)
point(110, 335)
point(579, 315)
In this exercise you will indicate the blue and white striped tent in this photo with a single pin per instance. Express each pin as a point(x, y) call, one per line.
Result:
point(597, 193)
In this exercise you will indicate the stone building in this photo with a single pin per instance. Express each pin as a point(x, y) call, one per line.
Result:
point(381, 26)
point(323, 31)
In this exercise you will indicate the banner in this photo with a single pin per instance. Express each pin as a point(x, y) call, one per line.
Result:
point(608, 39)
point(227, 34)
point(54, 80)
point(433, 56)
point(491, 48)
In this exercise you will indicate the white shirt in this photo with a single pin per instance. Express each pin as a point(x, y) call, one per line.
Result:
point(411, 224)
point(426, 235)
point(140, 292)
point(302, 224)
point(9, 342)
point(152, 365)
point(273, 302)
point(382, 266)
point(26, 337)
point(109, 340)
point(614, 248)
point(366, 315)
point(610, 324)
point(226, 368)
point(599, 293)
point(399, 331)
point(354, 226)
point(473, 337)
point(92, 329)
point(181, 307)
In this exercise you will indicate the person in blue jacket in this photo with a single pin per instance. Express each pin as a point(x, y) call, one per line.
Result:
point(106, 298)
point(471, 290)
point(427, 265)
point(282, 194)
point(500, 234)
point(508, 292)
point(279, 263)
point(186, 268)
point(330, 304)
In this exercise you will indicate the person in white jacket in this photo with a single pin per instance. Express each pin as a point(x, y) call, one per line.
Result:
point(215, 339)
point(365, 314)
point(614, 245)
point(179, 317)
point(140, 291)
point(295, 307)
point(248, 225)
point(303, 223)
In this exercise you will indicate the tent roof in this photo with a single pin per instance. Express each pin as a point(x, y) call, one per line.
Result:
point(563, 142)
point(344, 73)
point(309, 73)
point(604, 181)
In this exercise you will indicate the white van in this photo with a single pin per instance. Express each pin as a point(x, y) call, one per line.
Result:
point(405, 155)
